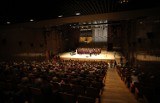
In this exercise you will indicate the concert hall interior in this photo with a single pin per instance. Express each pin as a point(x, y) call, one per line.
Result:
point(80, 51)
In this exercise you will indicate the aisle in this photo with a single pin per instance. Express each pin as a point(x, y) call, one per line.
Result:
point(115, 91)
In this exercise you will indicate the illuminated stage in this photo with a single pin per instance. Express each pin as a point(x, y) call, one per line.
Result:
point(103, 56)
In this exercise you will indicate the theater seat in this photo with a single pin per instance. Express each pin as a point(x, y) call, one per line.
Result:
point(84, 99)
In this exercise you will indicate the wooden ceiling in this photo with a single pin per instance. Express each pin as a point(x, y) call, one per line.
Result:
point(17, 11)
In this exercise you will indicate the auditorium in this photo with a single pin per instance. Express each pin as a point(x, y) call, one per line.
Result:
point(80, 51)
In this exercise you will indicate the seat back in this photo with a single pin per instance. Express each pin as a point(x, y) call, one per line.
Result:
point(92, 92)
point(56, 86)
point(67, 98)
point(36, 95)
point(84, 99)
point(66, 88)
point(78, 90)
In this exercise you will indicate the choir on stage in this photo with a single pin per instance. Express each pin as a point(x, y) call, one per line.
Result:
point(90, 51)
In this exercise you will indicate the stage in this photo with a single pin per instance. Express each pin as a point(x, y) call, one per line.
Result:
point(103, 56)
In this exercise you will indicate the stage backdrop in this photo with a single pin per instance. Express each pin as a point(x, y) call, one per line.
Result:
point(96, 34)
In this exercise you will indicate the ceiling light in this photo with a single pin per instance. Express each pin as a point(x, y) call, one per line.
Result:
point(8, 22)
point(78, 13)
point(141, 22)
point(123, 1)
point(31, 20)
point(60, 16)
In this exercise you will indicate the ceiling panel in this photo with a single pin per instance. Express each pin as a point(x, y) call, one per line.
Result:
point(17, 11)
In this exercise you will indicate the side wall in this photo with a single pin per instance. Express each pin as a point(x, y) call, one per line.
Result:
point(21, 43)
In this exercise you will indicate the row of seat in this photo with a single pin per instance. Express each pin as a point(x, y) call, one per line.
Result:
point(21, 82)
point(63, 94)
point(146, 88)
point(69, 98)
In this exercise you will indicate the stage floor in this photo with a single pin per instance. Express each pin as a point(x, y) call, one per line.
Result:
point(103, 56)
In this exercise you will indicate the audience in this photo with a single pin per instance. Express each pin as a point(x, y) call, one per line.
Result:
point(43, 75)
point(143, 82)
